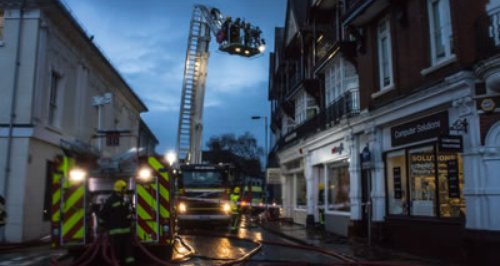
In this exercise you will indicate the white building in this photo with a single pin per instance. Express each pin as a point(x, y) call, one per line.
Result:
point(55, 85)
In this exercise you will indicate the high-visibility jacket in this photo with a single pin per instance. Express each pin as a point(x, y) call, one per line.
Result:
point(235, 203)
point(116, 215)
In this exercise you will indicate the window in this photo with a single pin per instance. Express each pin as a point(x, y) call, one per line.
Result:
point(53, 100)
point(47, 205)
point(340, 77)
point(2, 21)
point(305, 107)
point(425, 182)
point(384, 54)
point(338, 188)
point(300, 192)
point(441, 35)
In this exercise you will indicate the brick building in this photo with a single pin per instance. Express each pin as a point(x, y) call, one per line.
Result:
point(391, 106)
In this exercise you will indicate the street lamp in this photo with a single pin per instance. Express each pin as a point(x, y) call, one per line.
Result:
point(257, 117)
point(171, 157)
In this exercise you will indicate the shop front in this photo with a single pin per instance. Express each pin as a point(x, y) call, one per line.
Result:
point(294, 190)
point(331, 176)
point(425, 206)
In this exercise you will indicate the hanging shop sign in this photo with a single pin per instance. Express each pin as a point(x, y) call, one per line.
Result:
point(488, 105)
point(453, 180)
point(273, 176)
point(451, 143)
point(421, 129)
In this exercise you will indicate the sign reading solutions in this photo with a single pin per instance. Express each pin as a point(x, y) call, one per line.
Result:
point(424, 128)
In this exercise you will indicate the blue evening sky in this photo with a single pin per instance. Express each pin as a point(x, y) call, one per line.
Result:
point(147, 41)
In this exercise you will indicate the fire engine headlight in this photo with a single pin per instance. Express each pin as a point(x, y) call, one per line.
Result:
point(182, 207)
point(145, 174)
point(226, 207)
point(243, 203)
point(77, 175)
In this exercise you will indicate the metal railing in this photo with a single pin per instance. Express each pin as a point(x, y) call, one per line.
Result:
point(345, 106)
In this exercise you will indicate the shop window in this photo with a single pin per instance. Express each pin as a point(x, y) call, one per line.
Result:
point(422, 181)
point(300, 192)
point(338, 188)
point(397, 182)
point(425, 182)
point(451, 183)
point(321, 185)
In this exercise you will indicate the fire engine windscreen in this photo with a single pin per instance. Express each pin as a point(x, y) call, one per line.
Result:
point(202, 179)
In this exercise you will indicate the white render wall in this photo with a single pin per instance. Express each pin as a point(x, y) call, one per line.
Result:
point(48, 46)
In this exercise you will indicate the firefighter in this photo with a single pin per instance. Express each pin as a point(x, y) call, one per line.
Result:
point(235, 208)
point(116, 217)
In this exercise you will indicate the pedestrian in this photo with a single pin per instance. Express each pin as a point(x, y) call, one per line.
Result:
point(3, 217)
point(116, 217)
point(235, 208)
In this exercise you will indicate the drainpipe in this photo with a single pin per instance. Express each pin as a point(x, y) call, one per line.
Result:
point(14, 98)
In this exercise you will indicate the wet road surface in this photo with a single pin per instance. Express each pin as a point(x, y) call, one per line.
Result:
point(212, 245)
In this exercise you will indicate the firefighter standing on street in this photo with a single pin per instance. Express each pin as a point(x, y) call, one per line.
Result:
point(116, 217)
point(235, 208)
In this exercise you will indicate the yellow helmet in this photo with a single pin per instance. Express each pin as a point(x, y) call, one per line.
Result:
point(236, 190)
point(321, 186)
point(120, 186)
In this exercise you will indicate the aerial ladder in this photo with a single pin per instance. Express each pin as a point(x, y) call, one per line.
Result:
point(203, 190)
point(204, 22)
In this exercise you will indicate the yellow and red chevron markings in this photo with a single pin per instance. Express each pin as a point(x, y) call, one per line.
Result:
point(57, 174)
point(153, 203)
point(163, 194)
point(73, 207)
point(67, 205)
point(147, 226)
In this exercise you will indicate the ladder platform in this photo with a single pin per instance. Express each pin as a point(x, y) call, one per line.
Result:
point(239, 49)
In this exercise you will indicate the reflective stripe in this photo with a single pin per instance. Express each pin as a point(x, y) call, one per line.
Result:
point(118, 231)
point(129, 260)
point(116, 204)
point(157, 166)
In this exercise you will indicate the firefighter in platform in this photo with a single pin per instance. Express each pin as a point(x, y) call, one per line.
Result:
point(235, 208)
point(116, 218)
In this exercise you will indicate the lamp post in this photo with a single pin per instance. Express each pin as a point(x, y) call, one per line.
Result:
point(257, 117)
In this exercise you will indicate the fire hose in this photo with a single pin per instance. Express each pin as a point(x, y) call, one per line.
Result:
point(102, 244)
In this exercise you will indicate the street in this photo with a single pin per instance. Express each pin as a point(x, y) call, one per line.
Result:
point(209, 249)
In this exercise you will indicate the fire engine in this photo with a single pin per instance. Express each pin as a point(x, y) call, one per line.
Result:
point(81, 182)
point(204, 189)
